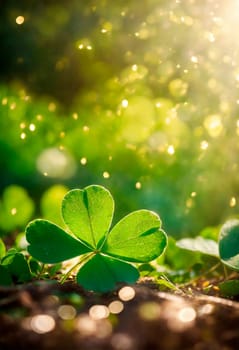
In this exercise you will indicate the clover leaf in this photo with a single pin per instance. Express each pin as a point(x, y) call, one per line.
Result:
point(229, 244)
point(88, 214)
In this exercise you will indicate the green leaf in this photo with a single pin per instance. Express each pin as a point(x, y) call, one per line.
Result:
point(102, 274)
point(50, 244)
point(229, 288)
point(5, 277)
point(229, 244)
point(88, 213)
point(199, 244)
point(17, 266)
point(177, 258)
point(2, 249)
point(137, 237)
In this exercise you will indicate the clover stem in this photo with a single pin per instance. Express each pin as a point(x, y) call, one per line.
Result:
point(84, 259)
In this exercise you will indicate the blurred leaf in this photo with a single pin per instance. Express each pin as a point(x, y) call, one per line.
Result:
point(199, 244)
point(51, 204)
point(210, 233)
point(2, 249)
point(229, 288)
point(5, 277)
point(229, 244)
point(17, 266)
point(178, 259)
point(16, 208)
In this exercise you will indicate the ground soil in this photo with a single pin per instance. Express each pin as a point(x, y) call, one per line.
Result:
point(151, 320)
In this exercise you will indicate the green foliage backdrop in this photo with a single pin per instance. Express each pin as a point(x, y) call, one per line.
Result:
point(141, 97)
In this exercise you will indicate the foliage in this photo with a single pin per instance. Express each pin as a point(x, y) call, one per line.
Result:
point(14, 268)
point(16, 208)
point(88, 215)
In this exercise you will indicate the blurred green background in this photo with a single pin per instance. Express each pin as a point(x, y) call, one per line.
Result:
point(141, 97)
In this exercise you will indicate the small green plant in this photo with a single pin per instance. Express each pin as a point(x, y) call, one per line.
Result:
point(225, 251)
point(106, 254)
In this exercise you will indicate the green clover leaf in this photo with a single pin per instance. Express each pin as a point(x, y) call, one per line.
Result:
point(88, 214)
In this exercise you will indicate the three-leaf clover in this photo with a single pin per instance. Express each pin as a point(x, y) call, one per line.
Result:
point(88, 213)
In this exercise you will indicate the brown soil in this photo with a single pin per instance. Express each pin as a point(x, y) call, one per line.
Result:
point(150, 320)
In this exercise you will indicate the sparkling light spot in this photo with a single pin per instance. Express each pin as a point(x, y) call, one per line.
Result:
point(204, 145)
point(124, 103)
point(4, 101)
point(126, 293)
point(106, 175)
point(66, 312)
point(232, 202)
point(83, 161)
point(213, 125)
point(115, 307)
point(42, 323)
point(171, 149)
point(75, 116)
point(86, 128)
point(52, 107)
point(193, 194)
point(22, 125)
point(23, 136)
point(187, 314)
point(32, 127)
point(13, 106)
point(194, 59)
point(98, 312)
point(39, 117)
point(134, 68)
point(138, 185)
point(14, 211)
point(20, 20)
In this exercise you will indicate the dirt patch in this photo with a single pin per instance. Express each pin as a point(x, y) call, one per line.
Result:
point(47, 315)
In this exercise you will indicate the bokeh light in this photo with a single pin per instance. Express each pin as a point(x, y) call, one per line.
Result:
point(144, 100)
